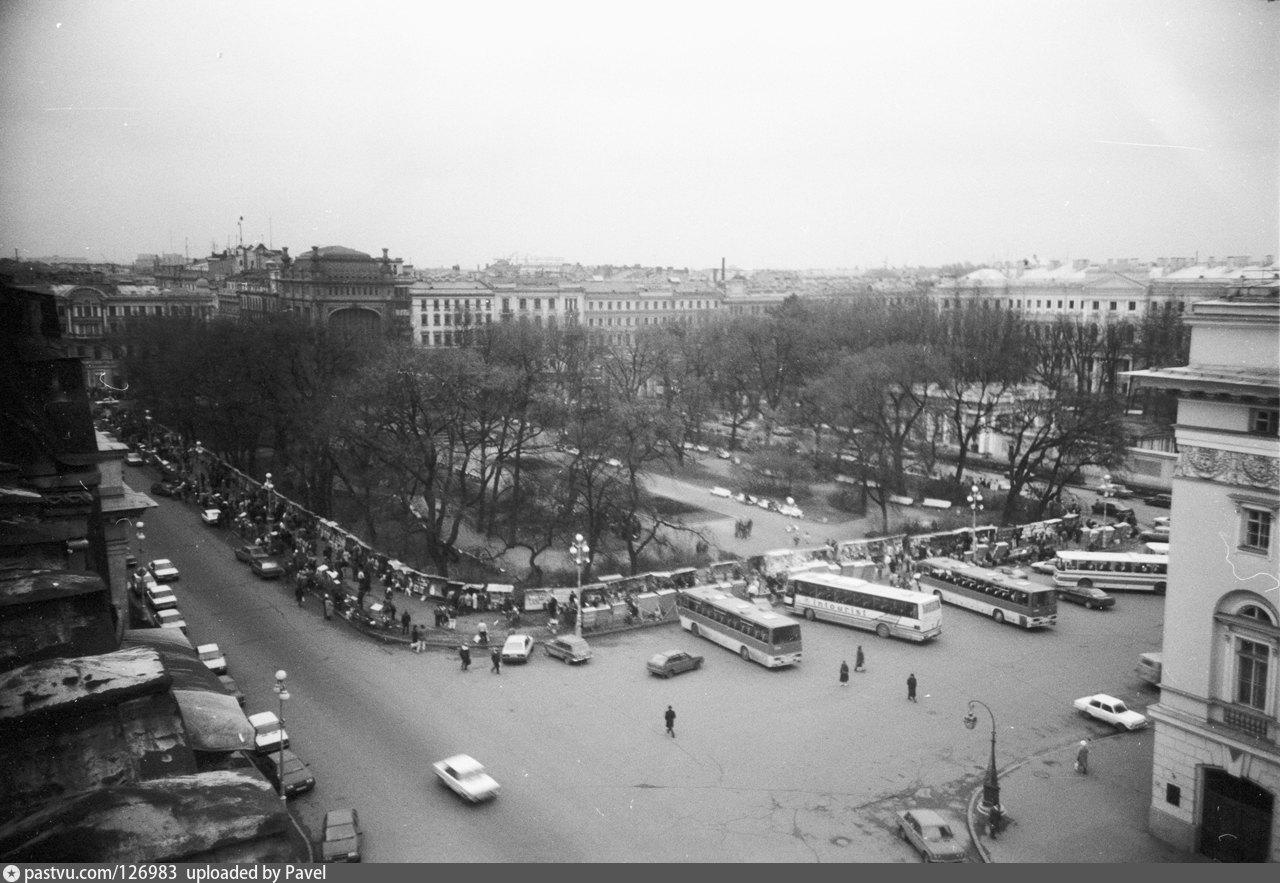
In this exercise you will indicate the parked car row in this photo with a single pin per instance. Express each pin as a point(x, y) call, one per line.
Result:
point(788, 508)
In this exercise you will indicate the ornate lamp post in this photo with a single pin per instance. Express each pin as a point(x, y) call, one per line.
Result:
point(269, 486)
point(579, 552)
point(1107, 490)
point(150, 442)
point(282, 691)
point(137, 532)
point(991, 786)
point(975, 506)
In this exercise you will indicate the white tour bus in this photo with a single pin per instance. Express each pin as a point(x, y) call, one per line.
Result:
point(769, 638)
point(1112, 570)
point(900, 613)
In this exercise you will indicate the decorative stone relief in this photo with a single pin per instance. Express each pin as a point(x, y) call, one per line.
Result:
point(1229, 467)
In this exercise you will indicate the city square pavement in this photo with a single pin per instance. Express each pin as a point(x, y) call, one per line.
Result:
point(1058, 815)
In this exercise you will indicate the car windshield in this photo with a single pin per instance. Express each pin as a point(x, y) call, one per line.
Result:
point(938, 832)
point(1119, 708)
point(342, 832)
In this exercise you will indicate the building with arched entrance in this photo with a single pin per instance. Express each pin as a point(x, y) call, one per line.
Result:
point(1216, 773)
point(347, 289)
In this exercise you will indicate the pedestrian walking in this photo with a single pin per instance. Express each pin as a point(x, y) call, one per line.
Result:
point(298, 591)
point(670, 718)
point(859, 661)
point(328, 605)
point(464, 653)
point(911, 687)
point(1082, 758)
point(405, 619)
point(844, 674)
point(496, 655)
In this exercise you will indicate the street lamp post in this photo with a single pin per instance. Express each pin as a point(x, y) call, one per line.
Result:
point(282, 691)
point(975, 506)
point(1106, 491)
point(137, 532)
point(269, 486)
point(579, 551)
point(991, 786)
point(150, 443)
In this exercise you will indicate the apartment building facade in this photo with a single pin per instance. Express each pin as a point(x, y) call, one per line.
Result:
point(1216, 773)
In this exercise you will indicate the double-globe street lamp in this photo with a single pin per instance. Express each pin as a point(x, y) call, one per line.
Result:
point(991, 786)
point(282, 691)
point(579, 552)
point(1107, 490)
point(975, 506)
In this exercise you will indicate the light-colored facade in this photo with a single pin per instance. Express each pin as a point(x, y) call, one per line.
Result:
point(1216, 774)
point(442, 313)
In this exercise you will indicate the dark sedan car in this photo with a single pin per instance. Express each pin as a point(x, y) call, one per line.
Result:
point(1160, 501)
point(297, 775)
point(1094, 599)
point(163, 488)
point(259, 561)
point(1112, 509)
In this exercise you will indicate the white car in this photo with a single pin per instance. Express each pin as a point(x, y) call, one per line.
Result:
point(268, 734)
point(171, 619)
point(163, 570)
point(517, 648)
point(211, 516)
point(161, 598)
point(721, 492)
point(464, 775)
point(1110, 710)
point(211, 656)
point(133, 458)
point(791, 509)
point(1045, 566)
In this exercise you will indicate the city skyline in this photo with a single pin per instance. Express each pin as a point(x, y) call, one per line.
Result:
point(974, 132)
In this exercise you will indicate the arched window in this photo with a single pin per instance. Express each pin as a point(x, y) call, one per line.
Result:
point(1246, 626)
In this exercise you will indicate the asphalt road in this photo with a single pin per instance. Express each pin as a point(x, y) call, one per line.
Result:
point(777, 766)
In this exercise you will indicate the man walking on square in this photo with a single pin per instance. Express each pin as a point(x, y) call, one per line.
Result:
point(670, 718)
point(911, 687)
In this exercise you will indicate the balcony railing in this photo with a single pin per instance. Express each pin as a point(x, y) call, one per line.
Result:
point(1246, 722)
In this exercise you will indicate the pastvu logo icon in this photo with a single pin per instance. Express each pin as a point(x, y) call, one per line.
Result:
point(11, 873)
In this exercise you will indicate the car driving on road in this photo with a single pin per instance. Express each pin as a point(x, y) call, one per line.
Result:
point(1087, 596)
point(465, 775)
point(1110, 710)
point(569, 649)
point(931, 835)
point(673, 662)
point(517, 648)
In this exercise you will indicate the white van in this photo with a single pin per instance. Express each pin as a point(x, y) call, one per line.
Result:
point(1150, 667)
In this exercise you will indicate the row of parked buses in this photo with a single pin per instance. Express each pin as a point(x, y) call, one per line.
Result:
point(773, 639)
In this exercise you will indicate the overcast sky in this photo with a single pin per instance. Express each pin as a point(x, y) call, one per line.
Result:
point(790, 135)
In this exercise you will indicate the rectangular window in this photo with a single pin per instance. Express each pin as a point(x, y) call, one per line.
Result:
point(1113, 305)
point(1251, 674)
point(1264, 421)
point(1071, 305)
point(1096, 304)
point(1133, 306)
point(537, 303)
point(524, 304)
point(1257, 530)
point(1059, 304)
